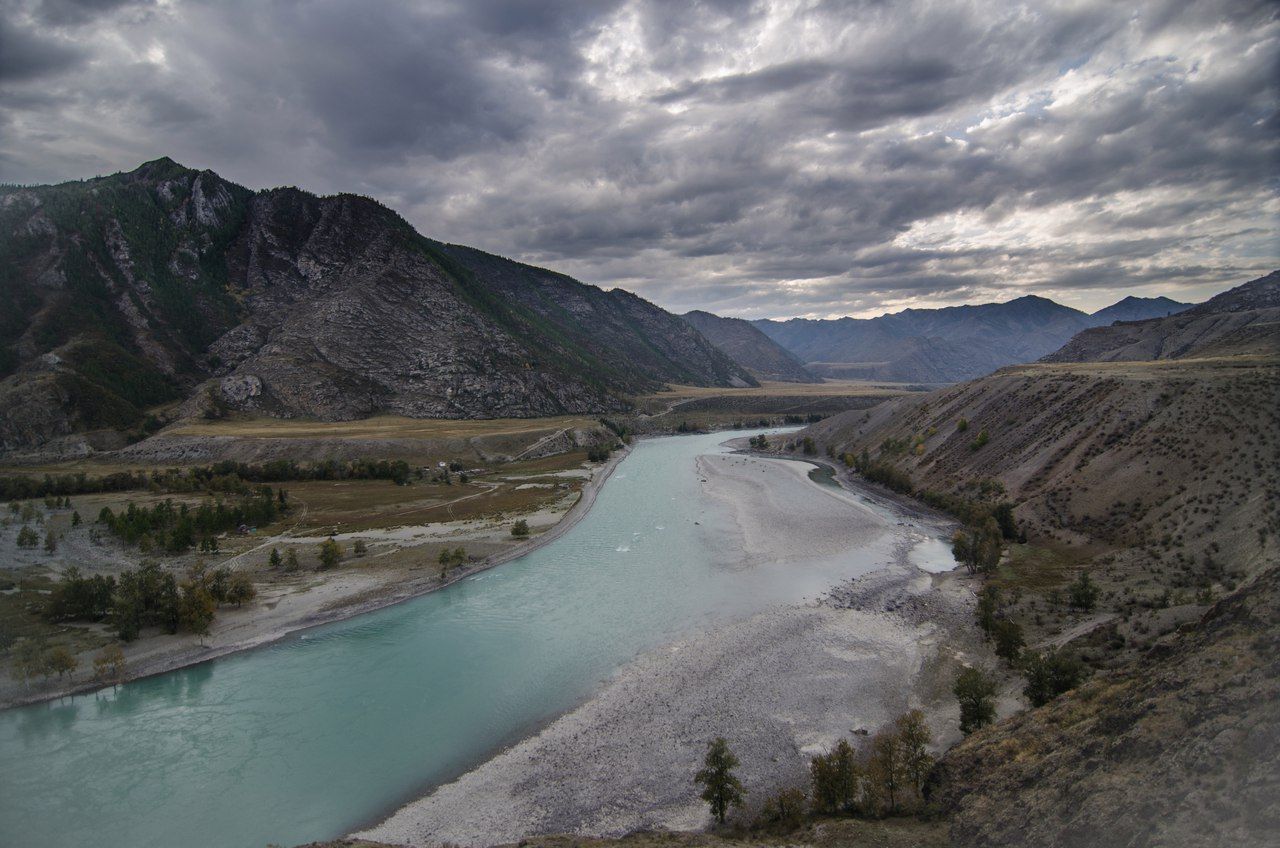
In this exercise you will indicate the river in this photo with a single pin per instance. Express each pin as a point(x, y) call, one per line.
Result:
point(318, 734)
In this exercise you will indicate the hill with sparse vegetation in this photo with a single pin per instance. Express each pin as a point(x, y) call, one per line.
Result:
point(1145, 536)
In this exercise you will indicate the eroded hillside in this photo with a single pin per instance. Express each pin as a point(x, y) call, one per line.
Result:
point(129, 292)
point(1160, 480)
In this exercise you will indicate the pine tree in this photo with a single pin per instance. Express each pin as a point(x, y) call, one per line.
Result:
point(721, 789)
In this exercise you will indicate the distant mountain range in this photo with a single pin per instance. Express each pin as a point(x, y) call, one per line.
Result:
point(1244, 320)
point(950, 344)
point(750, 348)
point(168, 285)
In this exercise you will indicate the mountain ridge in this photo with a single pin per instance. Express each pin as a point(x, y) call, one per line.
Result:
point(1242, 320)
point(169, 285)
point(948, 344)
point(748, 346)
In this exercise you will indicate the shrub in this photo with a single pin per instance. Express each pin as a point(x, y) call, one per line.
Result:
point(976, 693)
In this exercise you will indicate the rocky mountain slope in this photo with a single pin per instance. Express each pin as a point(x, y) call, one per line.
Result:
point(1180, 749)
point(1161, 480)
point(165, 284)
point(749, 347)
point(1245, 319)
point(947, 345)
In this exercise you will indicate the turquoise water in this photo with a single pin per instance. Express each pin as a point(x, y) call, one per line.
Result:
point(321, 733)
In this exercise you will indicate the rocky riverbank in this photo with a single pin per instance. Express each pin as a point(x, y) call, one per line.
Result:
point(780, 685)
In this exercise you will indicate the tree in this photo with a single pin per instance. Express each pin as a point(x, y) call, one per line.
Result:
point(835, 778)
point(887, 766)
point(988, 608)
point(720, 788)
point(240, 589)
point(27, 538)
point(359, 548)
point(61, 661)
point(109, 664)
point(330, 553)
point(964, 547)
point(197, 609)
point(75, 519)
point(1051, 674)
point(520, 529)
point(1083, 593)
point(1008, 638)
point(291, 563)
point(962, 425)
point(28, 660)
point(783, 812)
point(915, 737)
point(976, 692)
point(274, 560)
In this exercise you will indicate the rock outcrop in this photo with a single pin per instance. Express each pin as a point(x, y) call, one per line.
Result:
point(167, 284)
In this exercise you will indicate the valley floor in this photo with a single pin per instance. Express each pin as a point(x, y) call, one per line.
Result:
point(781, 685)
point(401, 564)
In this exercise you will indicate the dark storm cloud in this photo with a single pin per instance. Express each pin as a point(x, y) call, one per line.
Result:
point(762, 159)
point(27, 55)
point(79, 12)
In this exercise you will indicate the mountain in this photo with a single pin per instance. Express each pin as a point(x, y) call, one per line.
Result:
point(168, 285)
point(1158, 479)
point(743, 342)
point(1244, 320)
point(930, 345)
point(1137, 309)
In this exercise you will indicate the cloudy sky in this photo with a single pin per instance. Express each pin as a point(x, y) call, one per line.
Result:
point(766, 159)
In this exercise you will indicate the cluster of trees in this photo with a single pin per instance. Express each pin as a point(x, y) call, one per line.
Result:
point(289, 562)
point(760, 442)
point(886, 778)
point(234, 477)
point(1002, 630)
point(175, 528)
point(978, 547)
point(148, 596)
point(520, 529)
point(880, 471)
point(1048, 674)
point(33, 658)
point(450, 558)
point(599, 453)
point(21, 487)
